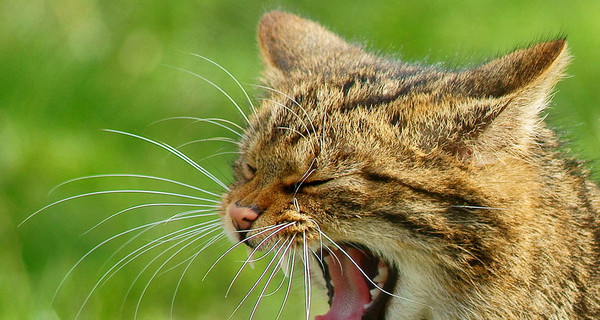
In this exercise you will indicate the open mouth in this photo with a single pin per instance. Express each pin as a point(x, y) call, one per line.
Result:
point(357, 294)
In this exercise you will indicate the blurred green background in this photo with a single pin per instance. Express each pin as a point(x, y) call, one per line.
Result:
point(69, 68)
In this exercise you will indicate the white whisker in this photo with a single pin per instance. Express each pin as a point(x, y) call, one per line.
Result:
point(476, 207)
point(202, 247)
point(238, 244)
point(216, 121)
point(154, 224)
point(264, 254)
point(147, 227)
point(319, 258)
point(232, 77)
point(204, 233)
point(136, 253)
point(307, 282)
point(173, 236)
point(256, 229)
point(124, 175)
point(293, 130)
point(220, 139)
point(305, 176)
point(291, 111)
point(146, 205)
point(279, 265)
point(191, 260)
point(217, 154)
point(287, 291)
point(207, 229)
point(255, 249)
point(176, 152)
point(272, 275)
point(116, 191)
point(320, 236)
point(294, 101)
point(134, 281)
point(334, 255)
point(190, 212)
point(256, 283)
point(218, 88)
point(246, 262)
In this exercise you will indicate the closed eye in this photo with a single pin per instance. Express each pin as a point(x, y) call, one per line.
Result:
point(249, 171)
point(314, 183)
point(310, 185)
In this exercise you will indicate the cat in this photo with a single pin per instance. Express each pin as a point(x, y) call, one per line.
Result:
point(414, 191)
point(405, 191)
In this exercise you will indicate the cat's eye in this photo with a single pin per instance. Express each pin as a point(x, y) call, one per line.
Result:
point(249, 171)
point(315, 183)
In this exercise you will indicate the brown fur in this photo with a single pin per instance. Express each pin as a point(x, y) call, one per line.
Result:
point(452, 176)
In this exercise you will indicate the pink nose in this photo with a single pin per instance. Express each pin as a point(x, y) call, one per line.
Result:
point(242, 217)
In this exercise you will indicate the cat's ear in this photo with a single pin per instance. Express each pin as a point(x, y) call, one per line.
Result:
point(537, 67)
point(289, 42)
point(502, 101)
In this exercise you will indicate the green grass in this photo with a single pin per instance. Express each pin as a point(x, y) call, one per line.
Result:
point(71, 68)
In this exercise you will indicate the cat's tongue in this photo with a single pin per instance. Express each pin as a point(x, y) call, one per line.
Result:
point(351, 290)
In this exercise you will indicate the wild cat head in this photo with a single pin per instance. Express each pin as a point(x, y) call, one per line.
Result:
point(394, 179)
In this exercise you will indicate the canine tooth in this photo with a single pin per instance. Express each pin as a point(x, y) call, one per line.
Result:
point(382, 275)
point(374, 293)
point(368, 305)
point(378, 278)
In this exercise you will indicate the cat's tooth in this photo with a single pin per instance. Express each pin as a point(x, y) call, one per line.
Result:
point(368, 305)
point(374, 293)
point(382, 274)
point(250, 260)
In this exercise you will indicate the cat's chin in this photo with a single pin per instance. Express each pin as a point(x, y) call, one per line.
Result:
point(357, 294)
